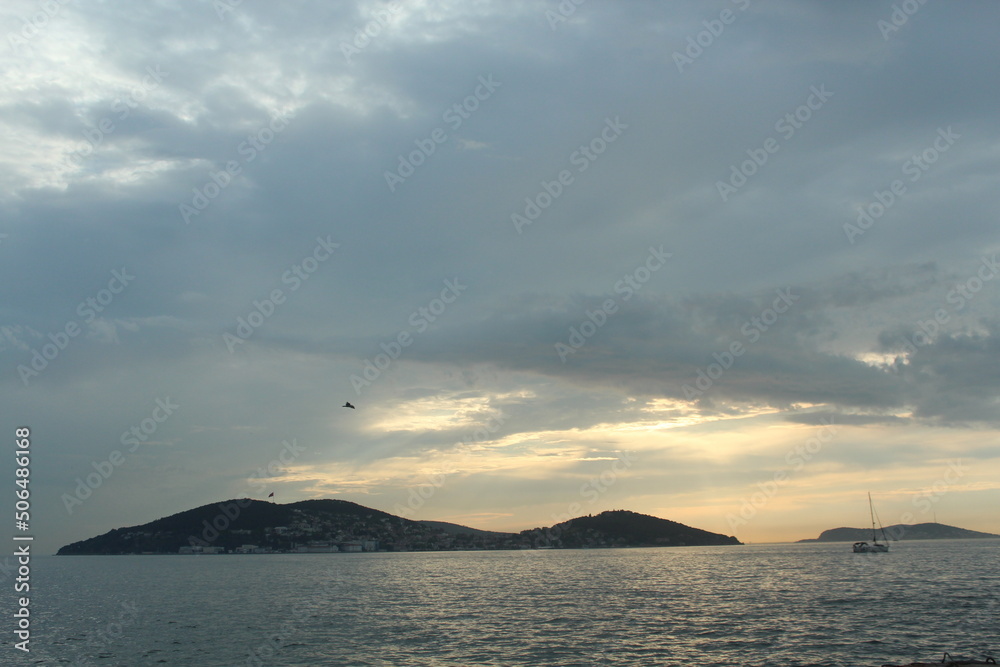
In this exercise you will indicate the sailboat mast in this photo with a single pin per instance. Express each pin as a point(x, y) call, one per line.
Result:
point(871, 511)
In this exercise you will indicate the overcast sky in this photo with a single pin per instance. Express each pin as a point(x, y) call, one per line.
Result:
point(729, 263)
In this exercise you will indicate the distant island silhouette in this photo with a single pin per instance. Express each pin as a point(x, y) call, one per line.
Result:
point(323, 526)
point(899, 531)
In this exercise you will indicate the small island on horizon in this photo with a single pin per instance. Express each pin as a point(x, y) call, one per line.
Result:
point(326, 526)
point(900, 532)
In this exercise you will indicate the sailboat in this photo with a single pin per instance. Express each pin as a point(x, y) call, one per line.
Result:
point(875, 546)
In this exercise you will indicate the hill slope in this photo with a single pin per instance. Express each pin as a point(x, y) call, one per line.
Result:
point(456, 529)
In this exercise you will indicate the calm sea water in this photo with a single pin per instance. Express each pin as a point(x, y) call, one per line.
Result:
point(812, 604)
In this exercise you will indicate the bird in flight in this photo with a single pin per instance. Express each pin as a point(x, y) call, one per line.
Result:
point(348, 405)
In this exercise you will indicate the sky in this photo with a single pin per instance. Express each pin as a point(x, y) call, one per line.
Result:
point(731, 263)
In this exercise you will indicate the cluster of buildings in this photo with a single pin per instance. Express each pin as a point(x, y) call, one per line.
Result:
point(319, 547)
point(279, 540)
point(314, 547)
point(201, 550)
point(329, 532)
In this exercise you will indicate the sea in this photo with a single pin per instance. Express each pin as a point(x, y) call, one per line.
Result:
point(779, 604)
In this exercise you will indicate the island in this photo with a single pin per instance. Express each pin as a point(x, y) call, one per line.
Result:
point(324, 526)
point(899, 531)
point(621, 528)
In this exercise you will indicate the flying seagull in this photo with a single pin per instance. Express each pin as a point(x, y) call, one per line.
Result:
point(348, 405)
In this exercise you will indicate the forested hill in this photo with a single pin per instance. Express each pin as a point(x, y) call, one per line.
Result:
point(256, 526)
point(233, 523)
point(624, 528)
